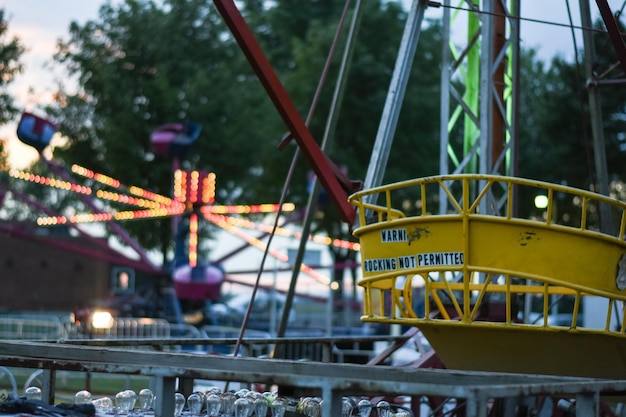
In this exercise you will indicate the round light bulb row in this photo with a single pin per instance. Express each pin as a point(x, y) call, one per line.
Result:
point(215, 403)
point(323, 240)
point(126, 199)
point(50, 182)
point(101, 178)
point(248, 209)
point(114, 183)
point(106, 217)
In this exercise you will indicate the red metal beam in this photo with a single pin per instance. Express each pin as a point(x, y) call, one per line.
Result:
point(325, 170)
point(614, 33)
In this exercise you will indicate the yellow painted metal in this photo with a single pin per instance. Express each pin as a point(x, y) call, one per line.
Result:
point(441, 272)
point(525, 349)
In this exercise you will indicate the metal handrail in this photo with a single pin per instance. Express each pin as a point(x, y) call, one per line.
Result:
point(482, 208)
point(330, 381)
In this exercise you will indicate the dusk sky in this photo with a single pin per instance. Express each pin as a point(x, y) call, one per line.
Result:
point(39, 24)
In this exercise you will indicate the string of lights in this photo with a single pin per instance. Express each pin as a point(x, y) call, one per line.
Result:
point(110, 216)
point(248, 209)
point(101, 194)
point(50, 182)
point(193, 187)
point(114, 183)
point(281, 231)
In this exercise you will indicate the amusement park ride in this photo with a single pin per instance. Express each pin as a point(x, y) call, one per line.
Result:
point(196, 284)
point(466, 270)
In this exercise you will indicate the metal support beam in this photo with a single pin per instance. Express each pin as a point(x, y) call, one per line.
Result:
point(478, 90)
point(588, 404)
point(595, 113)
point(395, 95)
point(164, 400)
point(48, 385)
point(328, 174)
point(614, 32)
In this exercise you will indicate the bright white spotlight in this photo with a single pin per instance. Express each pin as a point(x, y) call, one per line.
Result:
point(102, 320)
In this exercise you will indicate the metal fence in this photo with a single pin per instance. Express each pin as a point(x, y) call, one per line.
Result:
point(31, 327)
point(210, 339)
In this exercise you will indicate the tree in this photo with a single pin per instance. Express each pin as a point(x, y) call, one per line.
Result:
point(11, 51)
point(143, 64)
point(310, 35)
point(555, 142)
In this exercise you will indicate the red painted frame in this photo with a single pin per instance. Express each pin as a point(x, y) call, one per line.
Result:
point(336, 185)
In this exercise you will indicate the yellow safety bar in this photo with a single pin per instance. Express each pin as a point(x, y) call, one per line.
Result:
point(478, 260)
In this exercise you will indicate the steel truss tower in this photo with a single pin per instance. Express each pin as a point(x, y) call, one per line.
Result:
point(479, 88)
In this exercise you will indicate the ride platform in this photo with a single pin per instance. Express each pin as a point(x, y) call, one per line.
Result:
point(485, 286)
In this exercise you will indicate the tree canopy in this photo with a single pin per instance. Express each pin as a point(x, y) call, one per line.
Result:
point(145, 63)
point(11, 51)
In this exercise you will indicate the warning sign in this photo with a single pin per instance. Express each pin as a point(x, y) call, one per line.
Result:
point(440, 258)
point(393, 235)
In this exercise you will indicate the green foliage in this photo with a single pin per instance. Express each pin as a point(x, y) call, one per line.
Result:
point(11, 51)
point(555, 138)
point(368, 78)
point(144, 64)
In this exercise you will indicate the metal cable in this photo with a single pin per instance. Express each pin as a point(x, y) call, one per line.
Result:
point(290, 175)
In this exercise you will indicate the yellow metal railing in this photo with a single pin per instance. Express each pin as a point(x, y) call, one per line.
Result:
point(423, 267)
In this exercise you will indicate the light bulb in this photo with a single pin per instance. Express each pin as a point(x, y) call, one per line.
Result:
point(179, 404)
point(123, 401)
point(365, 407)
point(384, 409)
point(131, 398)
point(347, 405)
point(312, 408)
point(241, 393)
point(82, 397)
point(228, 403)
point(278, 407)
point(251, 396)
point(213, 405)
point(194, 403)
point(269, 396)
point(145, 397)
point(103, 405)
point(32, 393)
point(242, 407)
point(260, 406)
